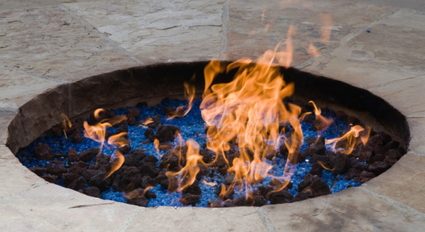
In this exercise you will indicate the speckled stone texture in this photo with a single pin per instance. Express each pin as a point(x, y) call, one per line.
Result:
point(377, 45)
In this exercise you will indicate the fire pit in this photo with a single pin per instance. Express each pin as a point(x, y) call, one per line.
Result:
point(208, 134)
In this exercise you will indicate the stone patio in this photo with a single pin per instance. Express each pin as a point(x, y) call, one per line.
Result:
point(378, 45)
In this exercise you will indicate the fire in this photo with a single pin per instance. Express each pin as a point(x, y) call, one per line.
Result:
point(97, 132)
point(181, 111)
point(313, 51)
point(322, 123)
point(66, 124)
point(348, 141)
point(187, 175)
point(248, 113)
point(119, 140)
point(326, 29)
point(117, 161)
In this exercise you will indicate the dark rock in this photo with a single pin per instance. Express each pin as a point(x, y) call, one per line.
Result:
point(166, 133)
point(317, 146)
point(150, 134)
point(149, 194)
point(190, 199)
point(92, 191)
point(56, 168)
point(193, 189)
point(50, 178)
point(162, 179)
point(170, 161)
point(135, 158)
point(127, 179)
point(313, 186)
point(149, 169)
point(73, 155)
point(78, 183)
point(75, 135)
point(43, 151)
point(378, 167)
point(365, 176)
point(132, 115)
point(89, 154)
point(39, 170)
point(282, 196)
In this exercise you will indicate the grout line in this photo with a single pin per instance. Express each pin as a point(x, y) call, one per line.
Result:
point(396, 204)
point(265, 219)
point(224, 25)
point(73, 14)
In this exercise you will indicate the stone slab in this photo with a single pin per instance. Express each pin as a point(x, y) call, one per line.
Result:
point(15, 178)
point(63, 210)
point(417, 131)
point(156, 31)
point(350, 210)
point(255, 26)
point(198, 219)
point(53, 45)
point(394, 42)
point(6, 117)
point(24, 4)
point(404, 182)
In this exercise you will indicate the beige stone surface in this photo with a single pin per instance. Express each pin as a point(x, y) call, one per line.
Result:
point(404, 182)
point(351, 210)
point(36, 210)
point(6, 115)
point(199, 219)
point(15, 178)
point(255, 26)
point(392, 50)
point(159, 30)
point(377, 45)
point(53, 45)
point(417, 130)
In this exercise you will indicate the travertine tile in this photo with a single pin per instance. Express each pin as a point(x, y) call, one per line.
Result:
point(53, 208)
point(350, 210)
point(14, 177)
point(256, 26)
point(405, 94)
point(390, 50)
point(23, 4)
point(417, 133)
point(6, 117)
point(198, 219)
point(404, 182)
point(159, 30)
point(49, 44)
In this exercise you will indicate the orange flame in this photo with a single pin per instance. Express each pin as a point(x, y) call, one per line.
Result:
point(148, 121)
point(66, 124)
point(181, 111)
point(312, 50)
point(326, 28)
point(97, 132)
point(117, 161)
point(156, 145)
point(357, 134)
point(187, 175)
point(322, 123)
point(119, 140)
point(248, 112)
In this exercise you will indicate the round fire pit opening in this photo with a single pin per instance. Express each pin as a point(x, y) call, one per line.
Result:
point(47, 135)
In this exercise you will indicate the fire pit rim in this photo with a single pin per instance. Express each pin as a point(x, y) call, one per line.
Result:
point(23, 110)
